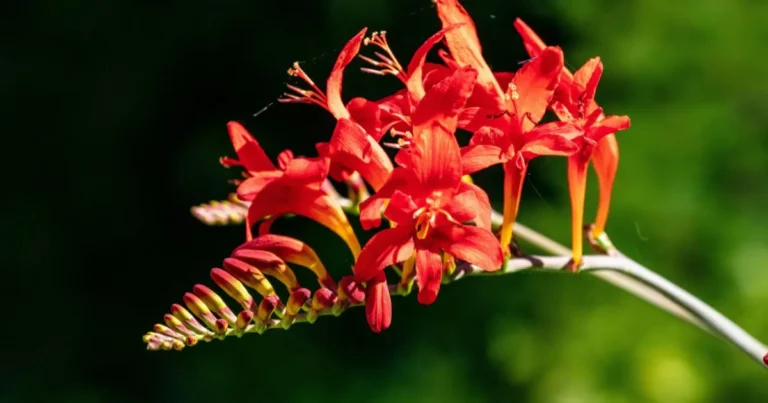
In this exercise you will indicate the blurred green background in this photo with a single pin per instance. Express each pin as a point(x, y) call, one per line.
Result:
point(115, 116)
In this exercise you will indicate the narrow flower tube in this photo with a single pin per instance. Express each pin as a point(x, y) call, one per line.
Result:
point(514, 177)
point(577, 183)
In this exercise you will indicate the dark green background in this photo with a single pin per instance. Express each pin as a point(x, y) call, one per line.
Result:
point(114, 117)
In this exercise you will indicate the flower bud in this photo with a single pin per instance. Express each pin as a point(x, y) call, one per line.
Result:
point(323, 299)
point(214, 302)
point(244, 318)
point(267, 307)
point(249, 275)
point(270, 264)
point(221, 326)
point(297, 300)
point(232, 287)
point(200, 310)
point(185, 317)
point(175, 324)
point(167, 332)
point(351, 290)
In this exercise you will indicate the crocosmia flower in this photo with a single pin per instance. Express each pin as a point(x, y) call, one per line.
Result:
point(428, 207)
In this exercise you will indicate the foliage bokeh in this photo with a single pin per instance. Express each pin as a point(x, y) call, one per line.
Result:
point(117, 113)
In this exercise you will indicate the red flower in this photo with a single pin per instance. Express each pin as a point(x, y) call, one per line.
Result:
point(427, 204)
point(574, 102)
point(354, 144)
point(293, 187)
point(516, 138)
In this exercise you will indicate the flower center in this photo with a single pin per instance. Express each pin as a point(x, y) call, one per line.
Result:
point(426, 217)
point(298, 95)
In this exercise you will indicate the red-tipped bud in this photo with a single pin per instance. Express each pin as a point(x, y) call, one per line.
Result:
point(351, 290)
point(232, 287)
point(214, 302)
point(765, 359)
point(221, 326)
point(293, 251)
point(270, 264)
point(177, 345)
point(244, 318)
point(175, 324)
point(378, 305)
point(297, 300)
point(191, 340)
point(323, 299)
point(267, 307)
point(200, 310)
point(249, 275)
point(185, 317)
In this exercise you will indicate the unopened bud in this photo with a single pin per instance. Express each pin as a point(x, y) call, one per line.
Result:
point(191, 340)
point(244, 318)
point(177, 345)
point(249, 275)
point(323, 299)
point(221, 326)
point(214, 302)
point(350, 290)
point(232, 287)
point(269, 264)
point(188, 319)
point(167, 332)
point(175, 324)
point(297, 300)
point(267, 307)
point(200, 310)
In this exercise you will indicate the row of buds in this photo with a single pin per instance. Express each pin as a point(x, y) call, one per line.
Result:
point(206, 316)
point(224, 212)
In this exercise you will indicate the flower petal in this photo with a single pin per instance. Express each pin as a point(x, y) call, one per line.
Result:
point(309, 171)
point(333, 89)
point(371, 208)
point(533, 44)
point(367, 114)
point(248, 150)
point(378, 303)
point(429, 274)
point(435, 157)
point(473, 245)
point(279, 198)
point(416, 66)
point(609, 125)
point(353, 148)
point(586, 79)
point(478, 157)
point(535, 84)
point(400, 208)
point(388, 247)
point(250, 188)
point(551, 139)
point(465, 46)
point(479, 205)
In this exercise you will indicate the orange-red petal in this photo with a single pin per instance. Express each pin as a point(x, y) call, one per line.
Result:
point(465, 46)
point(477, 246)
point(248, 150)
point(333, 89)
point(535, 85)
point(415, 83)
point(387, 247)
